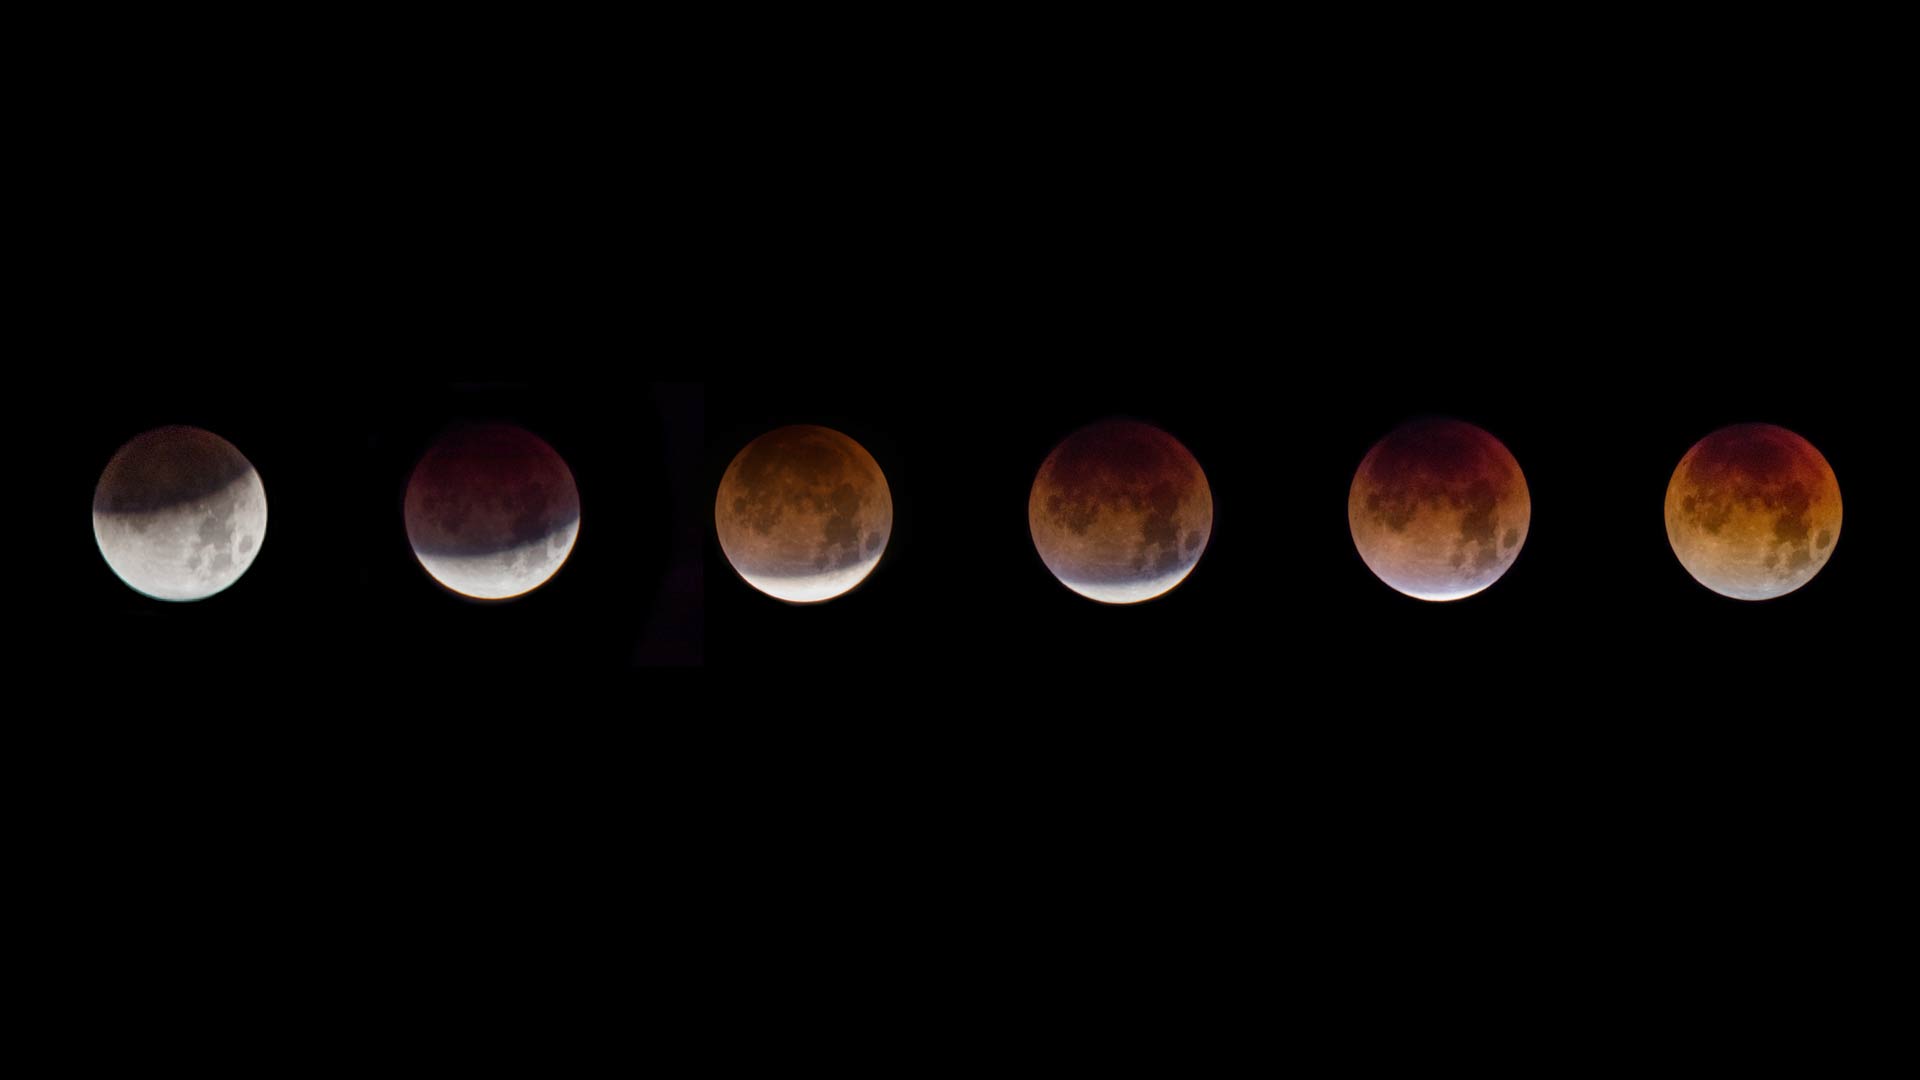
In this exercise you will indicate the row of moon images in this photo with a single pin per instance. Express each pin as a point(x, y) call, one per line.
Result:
point(1120, 512)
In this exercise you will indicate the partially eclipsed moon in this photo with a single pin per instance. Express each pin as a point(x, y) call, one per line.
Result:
point(1439, 509)
point(1120, 512)
point(1753, 511)
point(803, 513)
point(179, 513)
point(492, 511)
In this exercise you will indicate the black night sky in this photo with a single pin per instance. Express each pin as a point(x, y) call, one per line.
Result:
point(1275, 267)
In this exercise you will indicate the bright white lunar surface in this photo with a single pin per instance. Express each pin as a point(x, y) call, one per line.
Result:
point(179, 513)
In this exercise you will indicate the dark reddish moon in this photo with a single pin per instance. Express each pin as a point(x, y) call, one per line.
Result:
point(492, 511)
point(1439, 509)
point(1120, 512)
point(1753, 511)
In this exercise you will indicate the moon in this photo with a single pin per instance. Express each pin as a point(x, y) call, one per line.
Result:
point(1120, 512)
point(179, 513)
point(1439, 509)
point(492, 511)
point(1753, 511)
point(803, 513)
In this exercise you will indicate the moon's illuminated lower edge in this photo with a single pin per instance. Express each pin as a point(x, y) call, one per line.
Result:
point(1438, 592)
point(1710, 580)
point(505, 575)
point(1127, 592)
point(1438, 596)
point(1732, 592)
point(812, 588)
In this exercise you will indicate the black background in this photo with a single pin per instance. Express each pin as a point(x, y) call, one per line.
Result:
point(1277, 252)
point(1596, 350)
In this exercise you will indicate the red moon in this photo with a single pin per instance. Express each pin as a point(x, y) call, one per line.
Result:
point(1439, 509)
point(1120, 512)
point(1753, 511)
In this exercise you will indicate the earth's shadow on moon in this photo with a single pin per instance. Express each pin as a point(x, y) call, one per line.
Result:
point(179, 514)
point(425, 444)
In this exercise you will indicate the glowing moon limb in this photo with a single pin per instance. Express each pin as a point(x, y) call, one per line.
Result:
point(1128, 592)
point(813, 588)
point(512, 572)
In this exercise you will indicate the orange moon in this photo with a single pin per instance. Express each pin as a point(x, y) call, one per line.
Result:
point(803, 513)
point(1439, 509)
point(1120, 512)
point(1753, 511)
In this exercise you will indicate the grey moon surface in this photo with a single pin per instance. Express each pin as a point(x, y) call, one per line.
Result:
point(803, 513)
point(492, 511)
point(179, 513)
